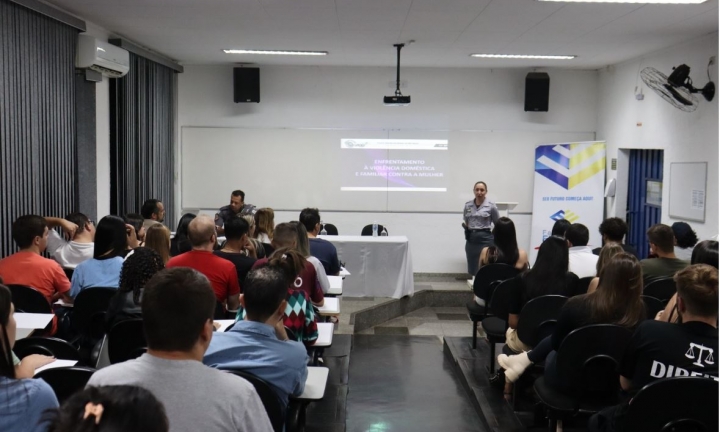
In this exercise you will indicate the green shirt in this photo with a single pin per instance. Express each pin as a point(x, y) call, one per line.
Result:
point(662, 267)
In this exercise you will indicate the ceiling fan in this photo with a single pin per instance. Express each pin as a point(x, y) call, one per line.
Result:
point(678, 87)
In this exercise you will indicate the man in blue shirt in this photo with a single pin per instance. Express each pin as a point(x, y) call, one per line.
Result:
point(259, 345)
point(320, 248)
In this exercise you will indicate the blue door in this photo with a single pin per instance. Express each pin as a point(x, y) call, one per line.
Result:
point(644, 197)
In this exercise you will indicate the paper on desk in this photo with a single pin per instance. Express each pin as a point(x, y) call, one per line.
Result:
point(344, 272)
point(60, 302)
point(224, 324)
point(32, 320)
point(56, 364)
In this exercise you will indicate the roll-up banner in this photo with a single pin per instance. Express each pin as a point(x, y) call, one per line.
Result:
point(569, 184)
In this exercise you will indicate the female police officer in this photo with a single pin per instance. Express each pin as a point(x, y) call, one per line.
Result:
point(478, 216)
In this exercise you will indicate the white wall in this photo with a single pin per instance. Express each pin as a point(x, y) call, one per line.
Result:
point(351, 98)
point(684, 137)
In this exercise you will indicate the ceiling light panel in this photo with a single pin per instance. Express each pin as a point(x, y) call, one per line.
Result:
point(632, 1)
point(525, 56)
point(275, 52)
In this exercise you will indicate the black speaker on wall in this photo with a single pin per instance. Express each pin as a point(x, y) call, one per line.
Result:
point(537, 90)
point(246, 84)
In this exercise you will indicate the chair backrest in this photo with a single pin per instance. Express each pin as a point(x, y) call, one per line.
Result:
point(500, 301)
point(652, 306)
point(48, 346)
point(219, 313)
point(66, 381)
point(68, 272)
point(332, 229)
point(273, 406)
point(89, 308)
point(588, 359)
point(662, 289)
point(29, 300)
point(489, 276)
point(290, 334)
point(367, 230)
point(126, 341)
point(538, 318)
point(674, 404)
point(582, 285)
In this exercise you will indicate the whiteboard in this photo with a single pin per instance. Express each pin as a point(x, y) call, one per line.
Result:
point(291, 169)
point(688, 188)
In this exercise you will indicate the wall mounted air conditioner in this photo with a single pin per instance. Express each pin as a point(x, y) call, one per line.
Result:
point(109, 60)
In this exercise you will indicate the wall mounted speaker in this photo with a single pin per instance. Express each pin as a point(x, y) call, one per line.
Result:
point(537, 90)
point(246, 84)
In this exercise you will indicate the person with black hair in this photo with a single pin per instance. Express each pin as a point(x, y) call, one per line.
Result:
point(78, 247)
point(177, 306)
point(236, 248)
point(662, 246)
point(321, 249)
point(109, 409)
point(478, 216)
point(136, 271)
point(137, 222)
point(259, 344)
point(152, 211)
point(237, 207)
point(22, 401)
point(103, 270)
point(613, 230)
point(559, 227)
point(180, 243)
point(685, 240)
point(582, 261)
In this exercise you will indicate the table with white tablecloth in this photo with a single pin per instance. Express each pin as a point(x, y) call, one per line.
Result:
point(379, 266)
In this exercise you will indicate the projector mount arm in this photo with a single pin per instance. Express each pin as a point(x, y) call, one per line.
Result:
point(397, 82)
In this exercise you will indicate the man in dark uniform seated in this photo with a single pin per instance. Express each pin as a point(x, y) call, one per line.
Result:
point(236, 208)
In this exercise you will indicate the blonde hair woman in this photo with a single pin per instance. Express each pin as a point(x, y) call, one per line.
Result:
point(264, 225)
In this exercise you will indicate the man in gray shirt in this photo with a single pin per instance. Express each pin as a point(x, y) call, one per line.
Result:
point(177, 308)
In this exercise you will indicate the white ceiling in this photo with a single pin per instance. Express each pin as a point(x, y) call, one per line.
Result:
point(361, 32)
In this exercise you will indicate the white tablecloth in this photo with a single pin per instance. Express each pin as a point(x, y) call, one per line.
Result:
point(379, 266)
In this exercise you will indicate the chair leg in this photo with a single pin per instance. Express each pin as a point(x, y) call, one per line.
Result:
point(492, 357)
point(474, 333)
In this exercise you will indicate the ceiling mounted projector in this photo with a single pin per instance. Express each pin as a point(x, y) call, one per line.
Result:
point(398, 99)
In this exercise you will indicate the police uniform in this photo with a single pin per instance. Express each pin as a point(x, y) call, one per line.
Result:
point(479, 220)
point(225, 213)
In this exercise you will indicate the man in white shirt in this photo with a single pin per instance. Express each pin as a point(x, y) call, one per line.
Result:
point(582, 261)
point(81, 232)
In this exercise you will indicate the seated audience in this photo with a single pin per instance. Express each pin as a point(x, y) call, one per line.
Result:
point(548, 276)
point(237, 207)
point(236, 248)
point(22, 401)
point(259, 344)
point(220, 272)
point(152, 211)
point(255, 249)
point(81, 233)
point(320, 248)
point(264, 225)
point(138, 223)
point(103, 270)
point(606, 254)
point(137, 270)
point(109, 409)
point(158, 239)
point(660, 350)
point(685, 240)
point(617, 300)
point(286, 237)
point(613, 230)
point(27, 267)
point(662, 245)
point(303, 246)
point(559, 228)
point(250, 219)
point(582, 261)
point(180, 243)
point(177, 308)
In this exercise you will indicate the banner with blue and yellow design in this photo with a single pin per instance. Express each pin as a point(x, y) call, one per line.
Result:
point(569, 184)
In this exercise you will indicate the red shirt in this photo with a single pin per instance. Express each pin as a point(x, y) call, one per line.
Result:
point(307, 281)
point(33, 270)
point(219, 271)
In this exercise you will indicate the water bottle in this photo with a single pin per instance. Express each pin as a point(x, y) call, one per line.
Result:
point(384, 232)
point(323, 231)
point(375, 229)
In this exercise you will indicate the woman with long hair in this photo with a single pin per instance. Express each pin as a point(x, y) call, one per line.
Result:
point(137, 222)
point(303, 246)
point(264, 225)
point(157, 238)
point(617, 300)
point(22, 401)
point(103, 270)
point(137, 270)
point(180, 242)
point(505, 248)
point(606, 253)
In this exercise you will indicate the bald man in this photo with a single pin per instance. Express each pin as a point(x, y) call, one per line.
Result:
point(220, 272)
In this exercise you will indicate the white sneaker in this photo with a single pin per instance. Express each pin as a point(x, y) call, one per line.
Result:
point(514, 365)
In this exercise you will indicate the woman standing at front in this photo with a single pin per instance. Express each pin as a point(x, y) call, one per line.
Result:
point(478, 216)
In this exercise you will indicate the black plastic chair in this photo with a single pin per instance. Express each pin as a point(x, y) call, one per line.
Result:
point(68, 272)
point(48, 346)
point(126, 341)
point(496, 325)
point(29, 300)
point(662, 289)
point(367, 230)
point(486, 280)
point(674, 404)
point(582, 285)
point(271, 401)
point(538, 318)
point(587, 365)
point(332, 229)
point(66, 381)
point(88, 312)
point(652, 306)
